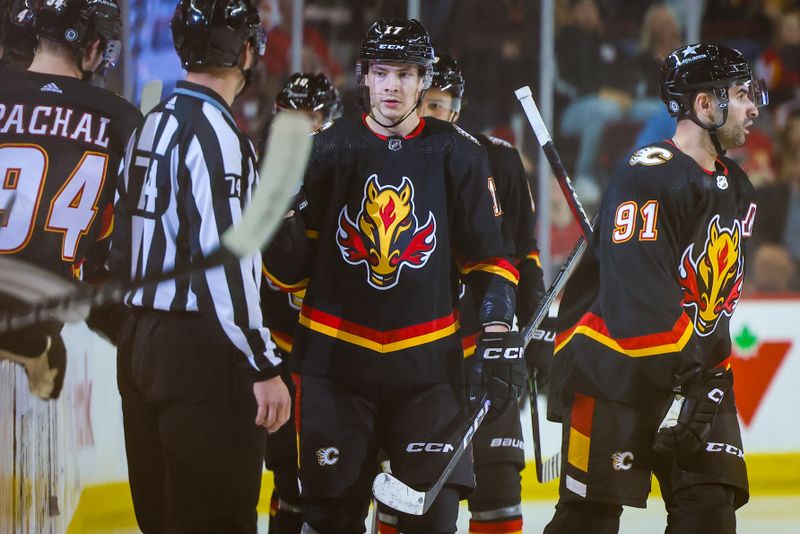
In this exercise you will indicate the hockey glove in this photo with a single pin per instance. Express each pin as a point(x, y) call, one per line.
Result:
point(539, 353)
point(499, 369)
point(41, 351)
point(687, 423)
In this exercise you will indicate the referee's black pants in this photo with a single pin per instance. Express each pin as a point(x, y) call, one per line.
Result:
point(194, 451)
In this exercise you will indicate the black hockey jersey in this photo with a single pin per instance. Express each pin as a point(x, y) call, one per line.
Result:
point(61, 141)
point(515, 202)
point(655, 299)
point(394, 223)
point(281, 308)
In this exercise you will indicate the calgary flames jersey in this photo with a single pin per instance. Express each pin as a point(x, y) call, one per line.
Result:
point(61, 141)
point(518, 214)
point(393, 224)
point(655, 299)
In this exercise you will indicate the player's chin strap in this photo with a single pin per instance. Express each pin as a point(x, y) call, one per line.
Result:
point(722, 97)
point(389, 126)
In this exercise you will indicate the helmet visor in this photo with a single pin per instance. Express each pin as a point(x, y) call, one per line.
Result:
point(112, 52)
point(757, 92)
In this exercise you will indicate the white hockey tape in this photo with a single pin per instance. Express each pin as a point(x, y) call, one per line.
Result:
point(398, 496)
point(525, 98)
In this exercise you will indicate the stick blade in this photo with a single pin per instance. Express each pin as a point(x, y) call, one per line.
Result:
point(280, 176)
point(30, 284)
point(151, 96)
point(398, 496)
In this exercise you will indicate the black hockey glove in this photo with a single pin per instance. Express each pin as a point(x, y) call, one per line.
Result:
point(539, 352)
point(687, 423)
point(499, 369)
point(40, 350)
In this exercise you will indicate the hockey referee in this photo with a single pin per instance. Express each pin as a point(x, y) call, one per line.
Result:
point(196, 366)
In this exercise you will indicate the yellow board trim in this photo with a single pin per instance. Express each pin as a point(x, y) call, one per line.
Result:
point(634, 353)
point(108, 506)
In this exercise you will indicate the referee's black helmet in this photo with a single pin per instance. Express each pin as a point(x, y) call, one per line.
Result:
point(213, 33)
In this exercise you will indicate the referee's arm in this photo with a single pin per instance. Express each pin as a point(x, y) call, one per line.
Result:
point(221, 181)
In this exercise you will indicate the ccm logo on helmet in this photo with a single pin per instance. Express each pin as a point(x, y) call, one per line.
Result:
point(495, 353)
point(429, 447)
point(391, 47)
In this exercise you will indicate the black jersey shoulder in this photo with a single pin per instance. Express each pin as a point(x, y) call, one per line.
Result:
point(656, 167)
point(36, 88)
point(502, 154)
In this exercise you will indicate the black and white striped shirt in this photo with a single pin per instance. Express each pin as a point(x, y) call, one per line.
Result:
point(187, 174)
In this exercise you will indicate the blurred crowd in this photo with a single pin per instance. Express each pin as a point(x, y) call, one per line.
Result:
point(606, 97)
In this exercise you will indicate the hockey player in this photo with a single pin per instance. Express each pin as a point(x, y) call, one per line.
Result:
point(197, 372)
point(17, 34)
point(61, 140)
point(315, 95)
point(499, 453)
point(397, 207)
point(643, 350)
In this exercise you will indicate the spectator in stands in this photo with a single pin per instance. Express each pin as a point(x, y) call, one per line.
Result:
point(496, 44)
point(661, 34)
point(603, 85)
point(779, 65)
point(778, 218)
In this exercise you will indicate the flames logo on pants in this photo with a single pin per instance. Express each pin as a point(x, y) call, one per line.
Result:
point(712, 283)
point(386, 235)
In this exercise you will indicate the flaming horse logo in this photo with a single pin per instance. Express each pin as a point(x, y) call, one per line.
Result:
point(386, 235)
point(712, 284)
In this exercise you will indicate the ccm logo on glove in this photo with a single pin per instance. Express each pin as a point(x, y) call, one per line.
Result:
point(495, 353)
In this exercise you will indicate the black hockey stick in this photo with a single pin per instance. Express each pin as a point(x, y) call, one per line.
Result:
point(281, 172)
point(550, 469)
point(403, 498)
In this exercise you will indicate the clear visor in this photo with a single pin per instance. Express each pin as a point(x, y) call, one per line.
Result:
point(757, 92)
point(261, 40)
point(111, 53)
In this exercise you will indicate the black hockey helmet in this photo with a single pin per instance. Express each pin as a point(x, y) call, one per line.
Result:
point(310, 92)
point(17, 33)
point(401, 40)
point(704, 67)
point(447, 76)
point(76, 23)
point(214, 32)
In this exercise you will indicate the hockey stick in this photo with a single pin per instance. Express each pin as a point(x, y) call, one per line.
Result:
point(281, 173)
point(151, 96)
point(401, 497)
point(550, 469)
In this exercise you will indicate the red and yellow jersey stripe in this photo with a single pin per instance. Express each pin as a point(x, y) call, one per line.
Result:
point(376, 340)
point(468, 344)
point(288, 288)
point(594, 327)
point(496, 266)
point(282, 340)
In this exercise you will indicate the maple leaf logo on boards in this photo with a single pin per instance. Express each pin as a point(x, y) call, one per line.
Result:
point(755, 364)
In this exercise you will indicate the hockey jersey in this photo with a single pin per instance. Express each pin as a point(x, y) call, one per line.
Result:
point(515, 203)
point(654, 300)
point(61, 141)
point(394, 223)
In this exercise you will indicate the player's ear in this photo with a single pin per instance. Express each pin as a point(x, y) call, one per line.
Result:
point(92, 55)
point(248, 55)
